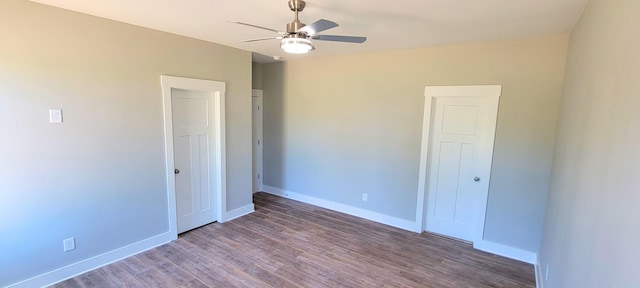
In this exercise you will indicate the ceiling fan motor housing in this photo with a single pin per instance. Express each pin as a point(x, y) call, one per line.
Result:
point(294, 26)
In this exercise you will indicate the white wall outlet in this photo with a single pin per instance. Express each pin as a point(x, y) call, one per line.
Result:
point(546, 273)
point(365, 197)
point(69, 244)
point(55, 115)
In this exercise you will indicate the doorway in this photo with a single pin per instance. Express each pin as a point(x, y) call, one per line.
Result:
point(195, 151)
point(457, 151)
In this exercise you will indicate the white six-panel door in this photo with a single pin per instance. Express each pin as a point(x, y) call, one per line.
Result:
point(462, 132)
point(194, 126)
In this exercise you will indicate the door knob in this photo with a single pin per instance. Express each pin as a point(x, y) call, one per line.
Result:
point(476, 179)
point(176, 171)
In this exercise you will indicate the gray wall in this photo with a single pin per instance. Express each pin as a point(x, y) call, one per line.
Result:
point(256, 75)
point(99, 176)
point(592, 226)
point(336, 127)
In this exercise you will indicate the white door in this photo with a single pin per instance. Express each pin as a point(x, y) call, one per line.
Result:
point(194, 129)
point(257, 139)
point(461, 141)
point(194, 142)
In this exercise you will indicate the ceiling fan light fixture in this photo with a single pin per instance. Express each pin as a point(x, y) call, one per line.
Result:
point(297, 37)
point(296, 45)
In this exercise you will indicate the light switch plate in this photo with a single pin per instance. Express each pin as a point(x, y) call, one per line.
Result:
point(55, 115)
point(69, 244)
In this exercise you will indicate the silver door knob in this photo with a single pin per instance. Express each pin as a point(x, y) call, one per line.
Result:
point(176, 171)
point(477, 179)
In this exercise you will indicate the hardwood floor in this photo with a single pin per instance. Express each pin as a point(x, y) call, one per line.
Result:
point(291, 244)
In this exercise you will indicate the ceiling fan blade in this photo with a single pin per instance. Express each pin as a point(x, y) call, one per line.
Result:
point(262, 39)
point(259, 27)
point(318, 26)
point(350, 39)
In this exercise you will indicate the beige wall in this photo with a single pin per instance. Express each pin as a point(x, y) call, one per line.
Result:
point(100, 176)
point(336, 127)
point(592, 223)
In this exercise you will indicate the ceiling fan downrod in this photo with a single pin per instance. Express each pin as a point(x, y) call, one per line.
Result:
point(295, 6)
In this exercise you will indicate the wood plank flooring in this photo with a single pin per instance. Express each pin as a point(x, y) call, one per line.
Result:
point(292, 244)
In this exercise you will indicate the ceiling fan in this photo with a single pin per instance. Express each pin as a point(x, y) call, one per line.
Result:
point(297, 38)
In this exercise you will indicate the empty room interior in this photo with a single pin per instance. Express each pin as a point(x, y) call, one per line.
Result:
point(209, 143)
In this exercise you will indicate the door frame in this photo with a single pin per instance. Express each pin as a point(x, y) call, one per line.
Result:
point(219, 91)
point(493, 92)
point(257, 93)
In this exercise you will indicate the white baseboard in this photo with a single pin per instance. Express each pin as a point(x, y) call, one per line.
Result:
point(238, 212)
point(346, 209)
point(506, 251)
point(89, 264)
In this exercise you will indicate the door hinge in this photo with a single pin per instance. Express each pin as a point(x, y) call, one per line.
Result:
point(258, 176)
point(258, 142)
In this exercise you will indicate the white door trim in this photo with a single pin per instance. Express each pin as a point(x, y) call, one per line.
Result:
point(171, 82)
point(493, 92)
point(257, 93)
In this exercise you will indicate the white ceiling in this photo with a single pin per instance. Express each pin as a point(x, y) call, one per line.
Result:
point(388, 25)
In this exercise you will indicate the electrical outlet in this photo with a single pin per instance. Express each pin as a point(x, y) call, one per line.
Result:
point(69, 244)
point(546, 273)
point(365, 196)
point(55, 116)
